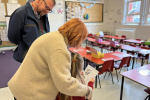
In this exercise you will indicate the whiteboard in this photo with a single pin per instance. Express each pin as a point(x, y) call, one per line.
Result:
point(11, 7)
point(55, 21)
point(2, 12)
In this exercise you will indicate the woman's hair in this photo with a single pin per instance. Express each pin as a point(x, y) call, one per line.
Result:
point(75, 31)
point(77, 64)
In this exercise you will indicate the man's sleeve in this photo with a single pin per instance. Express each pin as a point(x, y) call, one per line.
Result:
point(15, 28)
point(59, 65)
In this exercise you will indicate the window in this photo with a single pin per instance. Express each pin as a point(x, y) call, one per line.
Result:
point(132, 11)
point(137, 12)
point(146, 19)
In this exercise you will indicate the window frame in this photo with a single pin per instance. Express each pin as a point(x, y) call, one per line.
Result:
point(126, 7)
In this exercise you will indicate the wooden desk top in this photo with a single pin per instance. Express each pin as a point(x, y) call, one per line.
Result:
point(134, 75)
point(83, 53)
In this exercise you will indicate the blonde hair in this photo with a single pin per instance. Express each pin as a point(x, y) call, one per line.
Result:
point(76, 67)
point(75, 31)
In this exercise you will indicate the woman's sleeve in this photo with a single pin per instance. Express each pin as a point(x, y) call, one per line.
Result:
point(90, 84)
point(59, 64)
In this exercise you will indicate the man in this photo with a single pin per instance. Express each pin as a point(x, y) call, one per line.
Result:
point(27, 23)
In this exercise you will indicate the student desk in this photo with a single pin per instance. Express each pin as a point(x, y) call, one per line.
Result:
point(135, 76)
point(98, 62)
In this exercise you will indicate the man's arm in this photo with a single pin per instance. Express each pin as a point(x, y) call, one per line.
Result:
point(15, 28)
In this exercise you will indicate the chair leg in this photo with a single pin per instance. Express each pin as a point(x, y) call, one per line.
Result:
point(120, 70)
point(108, 74)
point(112, 77)
point(117, 76)
point(105, 75)
point(99, 80)
point(147, 61)
point(147, 97)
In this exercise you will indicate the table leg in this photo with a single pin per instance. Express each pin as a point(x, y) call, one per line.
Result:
point(86, 43)
point(96, 78)
point(142, 61)
point(121, 92)
point(84, 63)
point(121, 50)
point(133, 62)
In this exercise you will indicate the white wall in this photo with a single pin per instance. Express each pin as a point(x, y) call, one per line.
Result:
point(142, 32)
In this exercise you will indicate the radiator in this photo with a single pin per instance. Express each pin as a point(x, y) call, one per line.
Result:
point(129, 33)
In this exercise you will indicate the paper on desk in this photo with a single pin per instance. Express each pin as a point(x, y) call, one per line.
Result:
point(76, 50)
point(105, 59)
point(89, 73)
point(144, 72)
point(144, 51)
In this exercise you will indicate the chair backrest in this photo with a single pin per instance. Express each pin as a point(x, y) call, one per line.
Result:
point(116, 35)
point(133, 45)
point(138, 39)
point(107, 66)
point(125, 62)
point(87, 48)
point(123, 36)
point(90, 35)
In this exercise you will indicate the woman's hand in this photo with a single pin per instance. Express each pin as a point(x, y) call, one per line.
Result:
point(92, 80)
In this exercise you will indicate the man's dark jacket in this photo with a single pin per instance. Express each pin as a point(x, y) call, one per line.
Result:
point(24, 29)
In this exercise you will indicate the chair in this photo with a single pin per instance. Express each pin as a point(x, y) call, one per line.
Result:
point(107, 67)
point(147, 91)
point(121, 41)
point(130, 52)
point(125, 62)
point(138, 40)
point(116, 35)
point(145, 57)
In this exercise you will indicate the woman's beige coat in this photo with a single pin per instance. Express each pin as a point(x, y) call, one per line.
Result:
point(45, 71)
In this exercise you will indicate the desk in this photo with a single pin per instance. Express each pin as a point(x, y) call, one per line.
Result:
point(98, 62)
point(109, 36)
point(135, 76)
point(133, 41)
point(136, 50)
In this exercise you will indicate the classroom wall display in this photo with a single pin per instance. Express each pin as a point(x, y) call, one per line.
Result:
point(21, 2)
point(84, 11)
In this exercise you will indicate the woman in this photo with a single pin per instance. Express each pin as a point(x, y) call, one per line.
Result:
point(45, 70)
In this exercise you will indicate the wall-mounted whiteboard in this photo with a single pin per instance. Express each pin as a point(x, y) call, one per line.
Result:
point(2, 12)
point(11, 7)
point(55, 20)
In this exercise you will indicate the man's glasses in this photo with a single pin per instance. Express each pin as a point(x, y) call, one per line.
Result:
point(47, 8)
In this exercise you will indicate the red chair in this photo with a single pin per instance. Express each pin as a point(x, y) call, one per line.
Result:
point(147, 91)
point(107, 67)
point(138, 40)
point(116, 35)
point(125, 62)
point(130, 52)
point(145, 57)
point(123, 36)
point(121, 41)
point(90, 35)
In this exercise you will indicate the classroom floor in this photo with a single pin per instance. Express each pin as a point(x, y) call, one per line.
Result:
point(108, 91)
